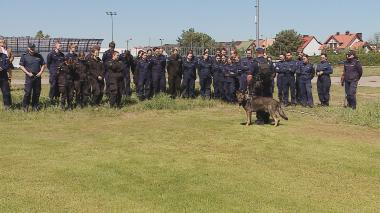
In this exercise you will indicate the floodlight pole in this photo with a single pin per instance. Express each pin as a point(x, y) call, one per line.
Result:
point(161, 39)
point(111, 14)
point(257, 22)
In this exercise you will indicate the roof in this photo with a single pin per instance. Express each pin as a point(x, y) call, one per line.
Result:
point(345, 40)
point(306, 39)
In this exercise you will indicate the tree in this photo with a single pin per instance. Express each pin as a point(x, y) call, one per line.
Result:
point(375, 40)
point(285, 41)
point(190, 38)
point(41, 35)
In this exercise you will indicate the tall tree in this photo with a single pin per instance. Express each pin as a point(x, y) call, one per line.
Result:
point(285, 41)
point(190, 38)
point(41, 35)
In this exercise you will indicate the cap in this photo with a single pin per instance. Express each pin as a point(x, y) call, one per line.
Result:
point(260, 50)
point(31, 46)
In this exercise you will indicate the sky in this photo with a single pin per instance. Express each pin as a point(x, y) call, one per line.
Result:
point(145, 22)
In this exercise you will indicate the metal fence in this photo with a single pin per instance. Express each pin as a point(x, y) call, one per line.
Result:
point(20, 44)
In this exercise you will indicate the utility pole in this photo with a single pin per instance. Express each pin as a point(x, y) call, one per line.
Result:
point(257, 22)
point(112, 14)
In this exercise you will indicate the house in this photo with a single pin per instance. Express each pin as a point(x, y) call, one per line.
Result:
point(264, 43)
point(346, 41)
point(310, 45)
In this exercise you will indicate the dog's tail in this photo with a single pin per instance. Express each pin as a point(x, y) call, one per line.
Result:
point(282, 113)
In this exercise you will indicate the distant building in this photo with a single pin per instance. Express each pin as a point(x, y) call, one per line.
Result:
point(310, 45)
point(340, 42)
point(44, 46)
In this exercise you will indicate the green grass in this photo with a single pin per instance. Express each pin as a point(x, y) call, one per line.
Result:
point(169, 155)
point(367, 71)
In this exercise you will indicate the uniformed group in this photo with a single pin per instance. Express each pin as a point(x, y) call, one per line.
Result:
point(78, 80)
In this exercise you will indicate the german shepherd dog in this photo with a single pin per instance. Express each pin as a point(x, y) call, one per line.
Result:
point(257, 103)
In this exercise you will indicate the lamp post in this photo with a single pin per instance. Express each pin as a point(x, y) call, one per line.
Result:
point(161, 39)
point(128, 43)
point(112, 14)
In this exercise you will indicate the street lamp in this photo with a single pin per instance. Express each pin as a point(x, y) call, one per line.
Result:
point(161, 39)
point(128, 42)
point(111, 14)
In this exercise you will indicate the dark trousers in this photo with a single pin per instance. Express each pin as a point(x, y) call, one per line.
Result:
point(280, 89)
point(289, 84)
point(174, 85)
point(158, 82)
point(32, 91)
point(306, 92)
point(116, 91)
point(188, 86)
point(298, 89)
point(67, 94)
point(144, 86)
point(53, 81)
point(5, 89)
point(82, 92)
point(218, 86)
point(243, 82)
point(97, 88)
point(126, 84)
point(323, 87)
point(230, 89)
point(205, 84)
point(350, 88)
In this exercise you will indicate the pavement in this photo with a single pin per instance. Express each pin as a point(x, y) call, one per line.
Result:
point(370, 81)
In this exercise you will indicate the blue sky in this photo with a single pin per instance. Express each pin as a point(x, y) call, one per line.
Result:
point(149, 20)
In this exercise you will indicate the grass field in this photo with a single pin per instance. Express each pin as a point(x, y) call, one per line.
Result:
point(191, 156)
point(367, 71)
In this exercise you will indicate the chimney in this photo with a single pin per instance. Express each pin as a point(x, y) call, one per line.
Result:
point(337, 33)
point(360, 36)
point(347, 32)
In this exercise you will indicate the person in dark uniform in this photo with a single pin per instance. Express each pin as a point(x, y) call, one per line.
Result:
point(189, 67)
point(81, 81)
point(217, 76)
point(306, 73)
point(107, 56)
point(323, 71)
point(54, 59)
point(158, 71)
point(245, 63)
point(223, 78)
point(204, 73)
point(33, 65)
point(72, 54)
point(174, 67)
point(144, 67)
point(289, 83)
point(65, 79)
point(352, 73)
point(298, 82)
point(280, 73)
point(129, 66)
point(136, 71)
point(115, 68)
point(96, 71)
point(259, 80)
point(4, 81)
point(230, 79)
